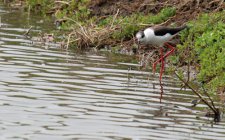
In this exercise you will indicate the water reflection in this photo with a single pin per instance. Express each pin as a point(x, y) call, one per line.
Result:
point(53, 94)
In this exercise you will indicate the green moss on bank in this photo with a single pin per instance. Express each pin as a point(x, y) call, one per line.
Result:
point(204, 45)
point(75, 14)
point(129, 25)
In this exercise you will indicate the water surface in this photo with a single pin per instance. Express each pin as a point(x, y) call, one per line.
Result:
point(58, 95)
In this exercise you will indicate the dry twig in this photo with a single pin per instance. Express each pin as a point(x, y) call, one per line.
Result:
point(28, 31)
point(212, 107)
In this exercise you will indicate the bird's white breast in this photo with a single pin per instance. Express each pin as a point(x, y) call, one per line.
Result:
point(151, 38)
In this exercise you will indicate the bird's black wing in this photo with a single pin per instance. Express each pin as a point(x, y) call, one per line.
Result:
point(161, 31)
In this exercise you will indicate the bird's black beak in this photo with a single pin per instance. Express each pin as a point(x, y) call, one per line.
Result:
point(137, 42)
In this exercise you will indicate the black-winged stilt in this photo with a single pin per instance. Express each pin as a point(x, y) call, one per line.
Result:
point(159, 36)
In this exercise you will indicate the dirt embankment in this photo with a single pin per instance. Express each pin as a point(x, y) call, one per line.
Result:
point(91, 35)
point(186, 9)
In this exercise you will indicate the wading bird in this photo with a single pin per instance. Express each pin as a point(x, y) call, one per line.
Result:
point(159, 36)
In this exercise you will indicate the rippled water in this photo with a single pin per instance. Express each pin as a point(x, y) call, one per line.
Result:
point(53, 94)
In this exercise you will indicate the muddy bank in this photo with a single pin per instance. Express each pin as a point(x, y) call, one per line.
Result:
point(186, 9)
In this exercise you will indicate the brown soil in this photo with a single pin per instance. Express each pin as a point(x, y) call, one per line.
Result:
point(186, 9)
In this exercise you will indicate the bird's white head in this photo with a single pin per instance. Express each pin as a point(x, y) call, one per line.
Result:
point(140, 36)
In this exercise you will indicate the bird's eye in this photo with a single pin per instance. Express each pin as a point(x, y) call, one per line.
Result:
point(142, 35)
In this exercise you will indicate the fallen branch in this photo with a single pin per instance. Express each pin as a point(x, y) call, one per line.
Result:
point(28, 31)
point(204, 92)
point(212, 107)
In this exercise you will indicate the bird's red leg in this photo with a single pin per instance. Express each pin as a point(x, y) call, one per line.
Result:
point(162, 64)
point(169, 52)
point(154, 66)
point(162, 57)
point(161, 72)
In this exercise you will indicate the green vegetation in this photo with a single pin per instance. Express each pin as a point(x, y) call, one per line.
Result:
point(76, 10)
point(204, 44)
point(96, 31)
point(129, 25)
point(38, 6)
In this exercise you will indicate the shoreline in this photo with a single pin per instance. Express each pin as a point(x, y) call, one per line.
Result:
point(101, 25)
